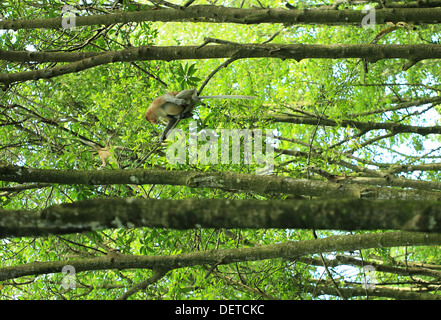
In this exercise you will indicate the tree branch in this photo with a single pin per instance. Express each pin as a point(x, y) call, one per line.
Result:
point(259, 184)
point(220, 14)
point(286, 250)
point(344, 214)
point(81, 60)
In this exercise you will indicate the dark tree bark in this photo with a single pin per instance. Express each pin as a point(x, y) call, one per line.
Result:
point(98, 214)
point(219, 14)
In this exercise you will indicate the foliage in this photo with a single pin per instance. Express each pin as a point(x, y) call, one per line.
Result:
point(106, 104)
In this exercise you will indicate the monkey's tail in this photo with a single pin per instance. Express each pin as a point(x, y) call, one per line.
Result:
point(227, 97)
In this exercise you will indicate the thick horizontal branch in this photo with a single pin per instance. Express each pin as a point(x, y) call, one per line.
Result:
point(219, 14)
point(82, 61)
point(98, 214)
point(286, 250)
point(360, 125)
point(396, 293)
point(298, 52)
point(411, 269)
point(259, 184)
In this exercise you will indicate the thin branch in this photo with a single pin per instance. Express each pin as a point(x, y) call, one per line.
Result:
point(157, 275)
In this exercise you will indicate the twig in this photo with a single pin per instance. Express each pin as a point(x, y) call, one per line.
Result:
point(148, 155)
point(167, 4)
point(208, 40)
point(157, 274)
point(211, 75)
point(327, 270)
point(188, 3)
point(273, 36)
point(149, 74)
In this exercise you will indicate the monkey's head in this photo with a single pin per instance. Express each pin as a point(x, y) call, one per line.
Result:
point(149, 116)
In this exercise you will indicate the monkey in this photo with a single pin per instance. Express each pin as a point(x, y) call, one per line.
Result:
point(103, 153)
point(174, 106)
